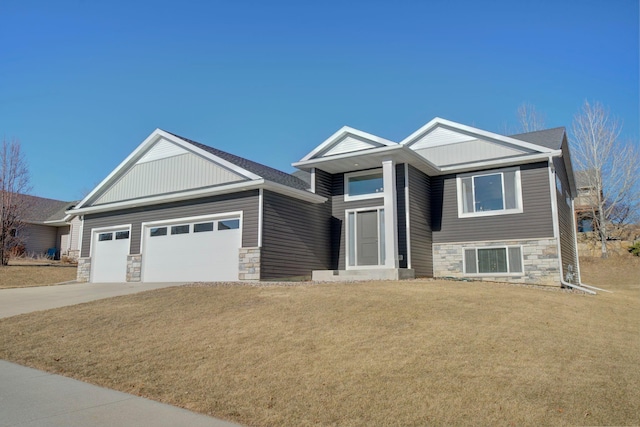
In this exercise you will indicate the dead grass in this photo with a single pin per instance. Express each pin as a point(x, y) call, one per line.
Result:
point(409, 353)
point(26, 275)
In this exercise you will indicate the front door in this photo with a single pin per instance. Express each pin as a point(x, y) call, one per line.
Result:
point(365, 240)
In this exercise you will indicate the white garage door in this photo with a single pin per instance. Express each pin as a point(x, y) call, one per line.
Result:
point(192, 250)
point(109, 250)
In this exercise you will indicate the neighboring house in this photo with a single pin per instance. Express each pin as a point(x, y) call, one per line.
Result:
point(448, 201)
point(586, 203)
point(48, 229)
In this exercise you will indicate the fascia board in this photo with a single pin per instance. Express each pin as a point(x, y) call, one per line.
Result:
point(311, 162)
point(187, 146)
point(187, 195)
point(501, 162)
point(345, 130)
point(408, 141)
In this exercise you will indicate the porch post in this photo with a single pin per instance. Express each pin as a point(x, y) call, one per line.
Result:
point(390, 214)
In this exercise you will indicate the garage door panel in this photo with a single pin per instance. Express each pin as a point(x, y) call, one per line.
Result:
point(109, 256)
point(208, 255)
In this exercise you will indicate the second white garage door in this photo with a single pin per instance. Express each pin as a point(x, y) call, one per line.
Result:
point(192, 250)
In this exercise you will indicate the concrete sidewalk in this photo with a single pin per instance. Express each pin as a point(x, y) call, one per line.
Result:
point(33, 398)
point(25, 300)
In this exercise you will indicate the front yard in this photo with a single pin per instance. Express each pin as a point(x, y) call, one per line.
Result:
point(385, 353)
point(25, 274)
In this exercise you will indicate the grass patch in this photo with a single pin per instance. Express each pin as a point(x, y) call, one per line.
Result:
point(26, 275)
point(387, 353)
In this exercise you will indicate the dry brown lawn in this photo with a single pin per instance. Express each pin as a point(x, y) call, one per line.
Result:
point(365, 354)
point(26, 275)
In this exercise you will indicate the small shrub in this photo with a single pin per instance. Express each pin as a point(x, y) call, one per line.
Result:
point(635, 248)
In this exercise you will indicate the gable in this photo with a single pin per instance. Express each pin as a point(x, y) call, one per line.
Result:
point(348, 144)
point(164, 168)
point(446, 146)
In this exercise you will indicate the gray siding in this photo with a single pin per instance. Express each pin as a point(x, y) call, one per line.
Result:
point(421, 239)
point(535, 221)
point(338, 207)
point(39, 238)
point(402, 216)
point(246, 201)
point(568, 250)
point(295, 237)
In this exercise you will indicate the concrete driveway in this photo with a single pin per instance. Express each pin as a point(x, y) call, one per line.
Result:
point(25, 300)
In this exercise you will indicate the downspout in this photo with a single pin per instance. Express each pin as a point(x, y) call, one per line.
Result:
point(556, 229)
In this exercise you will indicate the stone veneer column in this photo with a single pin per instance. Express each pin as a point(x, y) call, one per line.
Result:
point(83, 273)
point(249, 264)
point(134, 268)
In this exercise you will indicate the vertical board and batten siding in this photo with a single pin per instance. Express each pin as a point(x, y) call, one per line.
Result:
point(39, 238)
point(295, 237)
point(246, 201)
point(421, 238)
point(536, 220)
point(74, 242)
point(167, 175)
point(568, 250)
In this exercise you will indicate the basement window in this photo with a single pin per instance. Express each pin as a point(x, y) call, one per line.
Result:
point(494, 260)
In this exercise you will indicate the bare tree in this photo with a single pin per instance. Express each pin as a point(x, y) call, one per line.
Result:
point(529, 118)
point(609, 169)
point(14, 182)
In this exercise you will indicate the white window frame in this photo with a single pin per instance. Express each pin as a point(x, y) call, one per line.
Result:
point(347, 240)
point(504, 211)
point(109, 229)
point(347, 176)
point(506, 248)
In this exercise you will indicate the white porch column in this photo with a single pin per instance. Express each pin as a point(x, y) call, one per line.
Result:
point(390, 214)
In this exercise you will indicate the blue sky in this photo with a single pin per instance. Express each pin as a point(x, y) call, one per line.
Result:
point(82, 83)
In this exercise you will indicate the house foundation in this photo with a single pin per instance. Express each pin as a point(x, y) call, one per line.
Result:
point(249, 264)
point(83, 273)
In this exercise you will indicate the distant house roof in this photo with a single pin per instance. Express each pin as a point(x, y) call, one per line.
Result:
point(550, 138)
point(41, 210)
point(266, 172)
point(585, 178)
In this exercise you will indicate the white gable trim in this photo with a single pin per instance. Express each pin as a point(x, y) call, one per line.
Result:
point(149, 141)
point(340, 134)
point(408, 141)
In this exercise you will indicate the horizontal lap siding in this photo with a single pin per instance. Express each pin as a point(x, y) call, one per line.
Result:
point(421, 238)
point(246, 201)
point(39, 238)
point(338, 208)
point(402, 216)
point(568, 250)
point(295, 237)
point(536, 221)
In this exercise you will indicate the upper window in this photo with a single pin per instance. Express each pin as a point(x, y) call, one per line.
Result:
point(121, 235)
point(229, 224)
point(180, 229)
point(363, 185)
point(493, 193)
point(158, 231)
point(105, 236)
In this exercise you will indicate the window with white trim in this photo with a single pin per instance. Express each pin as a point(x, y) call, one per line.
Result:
point(363, 185)
point(493, 260)
point(489, 193)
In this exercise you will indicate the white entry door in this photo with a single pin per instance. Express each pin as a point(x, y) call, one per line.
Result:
point(192, 250)
point(109, 250)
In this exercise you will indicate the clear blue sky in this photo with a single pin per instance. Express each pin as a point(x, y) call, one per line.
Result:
point(82, 83)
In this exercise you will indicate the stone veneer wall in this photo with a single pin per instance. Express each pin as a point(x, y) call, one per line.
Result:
point(249, 264)
point(134, 268)
point(541, 262)
point(83, 273)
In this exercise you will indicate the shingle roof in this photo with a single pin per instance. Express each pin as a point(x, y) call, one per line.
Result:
point(266, 172)
point(550, 138)
point(40, 209)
